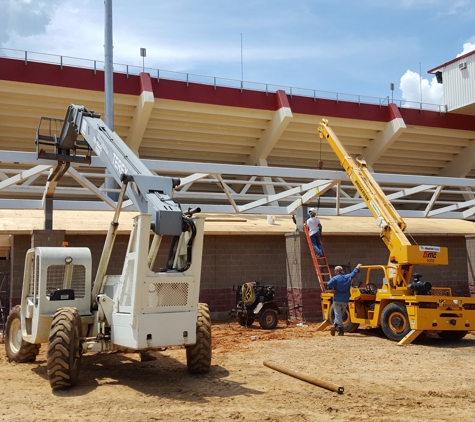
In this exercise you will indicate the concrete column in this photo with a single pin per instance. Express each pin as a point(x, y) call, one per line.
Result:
point(470, 240)
point(302, 283)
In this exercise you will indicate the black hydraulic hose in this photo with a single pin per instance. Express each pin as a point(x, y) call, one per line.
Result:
point(188, 224)
point(189, 246)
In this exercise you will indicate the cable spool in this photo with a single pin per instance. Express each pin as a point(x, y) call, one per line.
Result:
point(248, 294)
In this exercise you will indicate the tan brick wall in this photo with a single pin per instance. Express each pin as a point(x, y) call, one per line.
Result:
point(282, 261)
point(470, 245)
point(5, 266)
point(19, 246)
point(47, 238)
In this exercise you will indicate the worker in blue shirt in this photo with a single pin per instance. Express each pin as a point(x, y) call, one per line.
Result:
point(340, 285)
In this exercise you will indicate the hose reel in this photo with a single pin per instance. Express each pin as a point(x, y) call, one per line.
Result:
point(248, 294)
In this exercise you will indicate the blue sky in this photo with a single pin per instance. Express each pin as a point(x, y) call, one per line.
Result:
point(346, 46)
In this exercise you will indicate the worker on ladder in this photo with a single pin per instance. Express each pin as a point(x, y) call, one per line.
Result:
point(314, 229)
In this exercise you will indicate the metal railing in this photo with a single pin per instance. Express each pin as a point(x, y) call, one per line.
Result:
point(215, 81)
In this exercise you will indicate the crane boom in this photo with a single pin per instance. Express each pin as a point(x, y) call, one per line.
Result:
point(403, 255)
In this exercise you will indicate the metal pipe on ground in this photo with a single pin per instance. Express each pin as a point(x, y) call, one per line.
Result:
point(311, 380)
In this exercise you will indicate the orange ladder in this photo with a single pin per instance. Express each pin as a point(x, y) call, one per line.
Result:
point(321, 264)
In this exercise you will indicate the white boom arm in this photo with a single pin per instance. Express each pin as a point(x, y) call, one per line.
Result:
point(150, 193)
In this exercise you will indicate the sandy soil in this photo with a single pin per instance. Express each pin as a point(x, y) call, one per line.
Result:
point(430, 380)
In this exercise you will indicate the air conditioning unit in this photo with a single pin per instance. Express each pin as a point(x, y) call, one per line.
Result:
point(462, 65)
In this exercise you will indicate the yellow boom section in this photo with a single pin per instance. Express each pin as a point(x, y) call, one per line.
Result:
point(392, 226)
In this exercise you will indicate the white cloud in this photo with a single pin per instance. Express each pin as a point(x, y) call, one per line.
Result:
point(411, 84)
point(25, 18)
point(280, 45)
point(432, 92)
point(63, 31)
point(467, 48)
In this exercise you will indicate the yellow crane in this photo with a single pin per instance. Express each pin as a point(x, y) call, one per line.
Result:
point(403, 306)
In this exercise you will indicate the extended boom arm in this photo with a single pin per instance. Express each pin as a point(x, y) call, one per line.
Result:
point(388, 219)
point(403, 255)
point(150, 193)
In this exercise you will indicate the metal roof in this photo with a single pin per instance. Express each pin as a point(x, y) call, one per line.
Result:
point(461, 57)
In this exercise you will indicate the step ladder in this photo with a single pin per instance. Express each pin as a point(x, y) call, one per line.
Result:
point(321, 264)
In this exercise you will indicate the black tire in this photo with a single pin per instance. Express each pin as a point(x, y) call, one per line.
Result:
point(269, 319)
point(198, 356)
point(244, 319)
point(64, 348)
point(395, 322)
point(452, 335)
point(348, 326)
point(17, 349)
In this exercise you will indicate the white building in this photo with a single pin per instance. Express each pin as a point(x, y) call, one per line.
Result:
point(458, 79)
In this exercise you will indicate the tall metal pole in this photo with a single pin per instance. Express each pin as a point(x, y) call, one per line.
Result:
point(109, 66)
point(242, 66)
point(109, 83)
point(420, 80)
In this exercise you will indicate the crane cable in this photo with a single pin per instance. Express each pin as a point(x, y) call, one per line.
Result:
point(248, 294)
point(320, 167)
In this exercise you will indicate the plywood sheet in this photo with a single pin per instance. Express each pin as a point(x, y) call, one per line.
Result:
point(97, 222)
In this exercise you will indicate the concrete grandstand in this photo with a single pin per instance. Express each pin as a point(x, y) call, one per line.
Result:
point(242, 153)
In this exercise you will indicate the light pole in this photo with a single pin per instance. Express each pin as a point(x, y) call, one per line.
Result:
point(109, 182)
point(108, 67)
point(143, 54)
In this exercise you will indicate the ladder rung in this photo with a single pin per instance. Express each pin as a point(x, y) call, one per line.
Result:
point(319, 262)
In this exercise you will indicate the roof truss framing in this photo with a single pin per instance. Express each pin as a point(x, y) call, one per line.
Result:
point(220, 188)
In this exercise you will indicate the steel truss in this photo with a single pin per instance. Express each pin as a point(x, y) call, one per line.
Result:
point(221, 188)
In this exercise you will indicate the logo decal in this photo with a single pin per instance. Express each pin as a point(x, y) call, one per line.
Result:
point(429, 248)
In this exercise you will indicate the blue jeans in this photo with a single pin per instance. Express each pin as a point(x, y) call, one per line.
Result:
point(317, 246)
point(340, 309)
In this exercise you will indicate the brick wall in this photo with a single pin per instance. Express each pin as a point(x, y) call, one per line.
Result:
point(470, 244)
point(5, 266)
point(47, 238)
point(232, 260)
point(282, 261)
point(19, 246)
point(303, 287)
point(351, 250)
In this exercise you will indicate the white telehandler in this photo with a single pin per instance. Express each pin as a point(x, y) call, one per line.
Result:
point(139, 310)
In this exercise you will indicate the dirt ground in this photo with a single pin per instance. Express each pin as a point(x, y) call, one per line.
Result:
point(429, 380)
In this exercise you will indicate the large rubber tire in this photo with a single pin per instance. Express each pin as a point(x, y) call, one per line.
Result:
point(64, 348)
point(268, 319)
point(395, 322)
point(348, 326)
point(17, 349)
point(198, 356)
point(452, 335)
point(244, 319)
